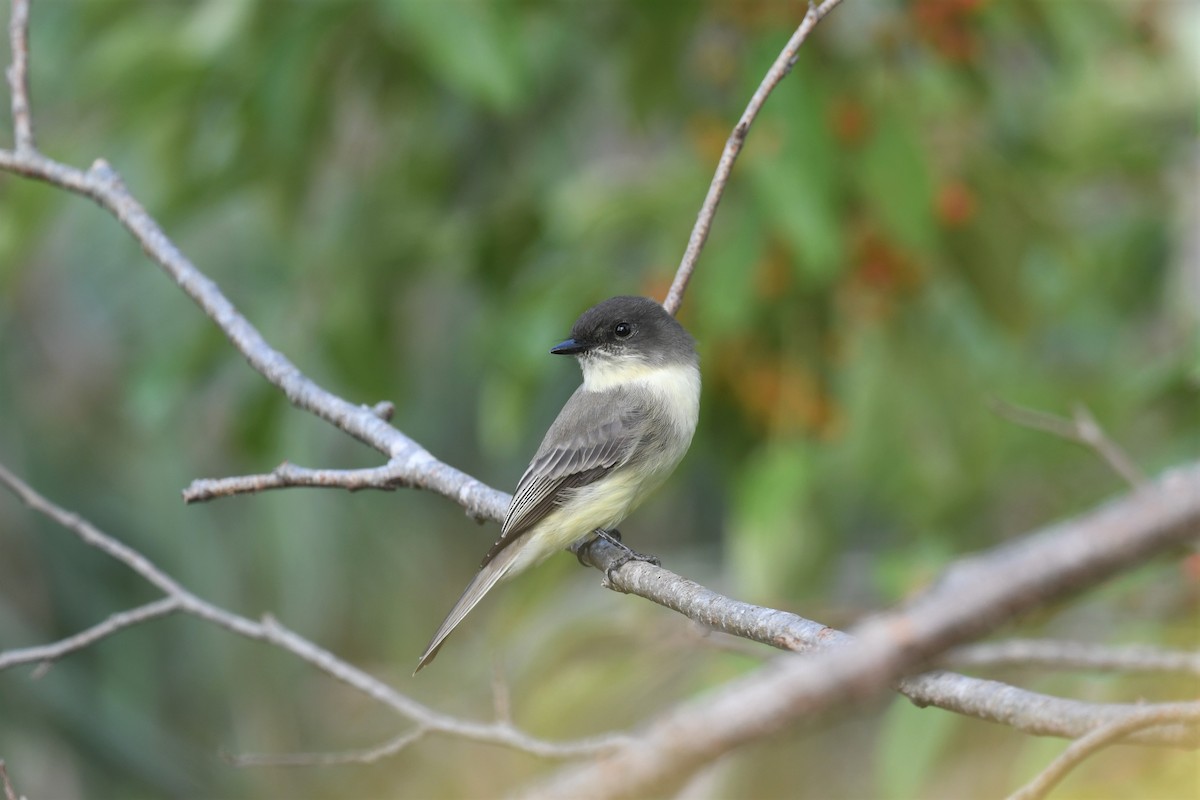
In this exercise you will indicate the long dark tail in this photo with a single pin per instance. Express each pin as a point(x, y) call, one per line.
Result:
point(476, 589)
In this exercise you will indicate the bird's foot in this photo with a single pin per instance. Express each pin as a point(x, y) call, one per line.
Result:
point(628, 554)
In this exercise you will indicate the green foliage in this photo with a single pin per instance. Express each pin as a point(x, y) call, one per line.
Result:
point(946, 202)
point(911, 744)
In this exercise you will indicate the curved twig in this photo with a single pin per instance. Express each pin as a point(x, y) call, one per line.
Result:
point(974, 596)
point(269, 630)
point(1074, 655)
point(733, 146)
point(45, 654)
point(1097, 740)
point(1081, 428)
point(367, 756)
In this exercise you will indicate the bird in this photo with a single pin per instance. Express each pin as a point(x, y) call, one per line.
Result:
point(617, 438)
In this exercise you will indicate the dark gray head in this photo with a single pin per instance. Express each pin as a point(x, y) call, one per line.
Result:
point(629, 328)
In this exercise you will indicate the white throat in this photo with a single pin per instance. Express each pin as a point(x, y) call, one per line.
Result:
point(677, 385)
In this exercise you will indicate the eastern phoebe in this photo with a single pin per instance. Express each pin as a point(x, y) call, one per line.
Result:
point(618, 437)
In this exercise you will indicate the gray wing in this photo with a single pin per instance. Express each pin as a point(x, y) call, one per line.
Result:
point(595, 433)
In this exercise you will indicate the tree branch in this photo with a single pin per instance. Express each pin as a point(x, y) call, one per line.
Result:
point(1097, 740)
point(103, 185)
point(1082, 428)
point(9, 792)
point(286, 475)
point(116, 622)
point(367, 756)
point(272, 632)
point(733, 146)
point(18, 76)
point(974, 596)
point(1074, 655)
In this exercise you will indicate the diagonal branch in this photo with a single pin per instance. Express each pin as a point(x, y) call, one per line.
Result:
point(45, 654)
point(1082, 428)
point(1169, 509)
point(416, 466)
point(272, 632)
point(733, 147)
point(1074, 655)
point(974, 596)
point(367, 756)
point(1097, 740)
point(9, 792)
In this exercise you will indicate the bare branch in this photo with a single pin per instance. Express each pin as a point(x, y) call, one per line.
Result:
point(985, 699)
point(9, 792)
point(1074, 655)
point(498, 732)
point(482, 501)
point(710, 609)
point(365, 423)
point(1030, 712)
point(389, 476)
point(733, 146)
point(270, 631)
point(970, 601)
point(1082, 429)
point(52, 652)
point(974, 596)
point(1097, 740)
point(18, 76)
point(1092, 435)
point(368, 756)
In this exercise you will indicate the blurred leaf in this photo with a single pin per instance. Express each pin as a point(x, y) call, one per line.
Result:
point(471, 45)
point(792, 165)
point(771, 532)
point(896, 182)
point(911, 742)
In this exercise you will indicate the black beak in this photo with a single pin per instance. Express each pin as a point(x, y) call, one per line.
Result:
point(569, 348)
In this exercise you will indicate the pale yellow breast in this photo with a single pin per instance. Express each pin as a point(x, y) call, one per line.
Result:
point(606, 503)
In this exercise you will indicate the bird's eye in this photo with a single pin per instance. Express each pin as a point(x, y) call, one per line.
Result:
point(623, 330)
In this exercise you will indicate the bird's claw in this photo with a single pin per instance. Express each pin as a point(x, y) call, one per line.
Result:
point(628, 554)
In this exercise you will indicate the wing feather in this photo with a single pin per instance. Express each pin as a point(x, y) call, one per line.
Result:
point(595, 433)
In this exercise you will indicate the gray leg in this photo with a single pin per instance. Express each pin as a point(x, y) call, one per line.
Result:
point(613, 537)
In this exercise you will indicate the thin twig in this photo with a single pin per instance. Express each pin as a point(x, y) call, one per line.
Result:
point(1082, 429)
point(286, 475)
point(271, 631)
point(1092, 435)
point(367, 756)
point(1028, 653)
point(733, 146)
point(1049, 654)
point(9, 792)
point(1097, 740)
point(18, 76)
point(45, 654)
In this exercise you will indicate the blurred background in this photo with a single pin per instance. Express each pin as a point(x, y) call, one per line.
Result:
point(948, 202)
